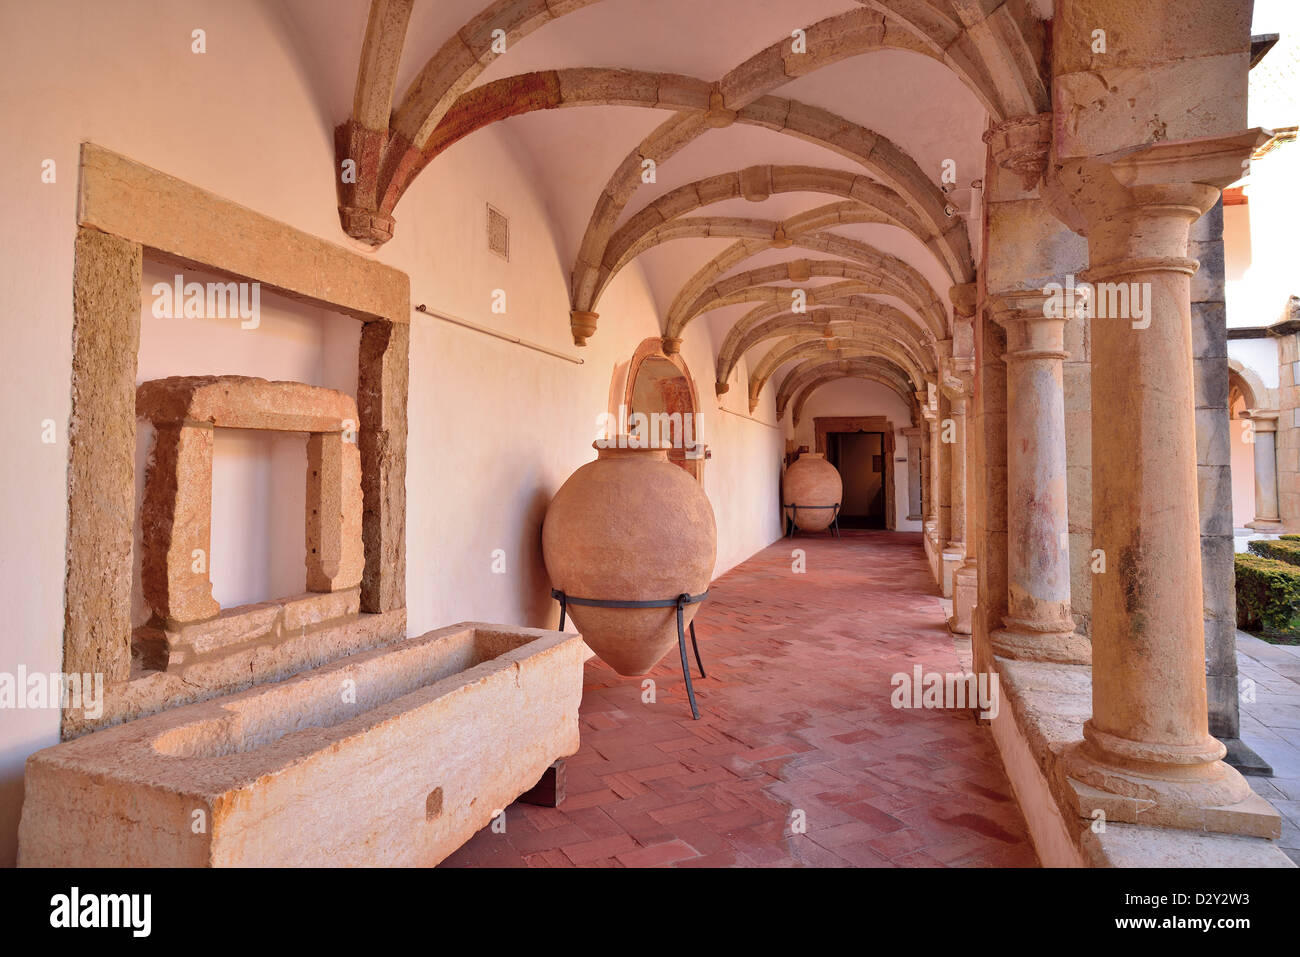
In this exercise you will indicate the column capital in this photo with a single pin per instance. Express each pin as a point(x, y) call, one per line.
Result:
point(1034, 329)
point(1021, 144)
point(958, 386)
point(1135, 205)
point(1265, 419)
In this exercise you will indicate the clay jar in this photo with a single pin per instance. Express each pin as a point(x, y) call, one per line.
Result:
point(630, 527)
point(811, 480)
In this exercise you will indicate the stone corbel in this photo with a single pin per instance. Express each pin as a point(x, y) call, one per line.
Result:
point(964, 298)
point(583, 326)
point(1021, 145)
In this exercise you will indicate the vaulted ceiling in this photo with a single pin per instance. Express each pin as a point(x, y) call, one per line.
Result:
point(795, 144)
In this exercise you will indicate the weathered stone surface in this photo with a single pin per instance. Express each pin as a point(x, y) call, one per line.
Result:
point(176, 524)
point(175, 647)
point(187, 224)
point(101, 455)
point(296, 774)
point(244, 402)
point(382, 382)
point(335, 556)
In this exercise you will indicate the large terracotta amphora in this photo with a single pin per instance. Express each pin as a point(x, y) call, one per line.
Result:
point(811, 481)
point(630, 527)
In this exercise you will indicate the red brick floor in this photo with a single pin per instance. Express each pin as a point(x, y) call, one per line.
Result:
point(795, 717)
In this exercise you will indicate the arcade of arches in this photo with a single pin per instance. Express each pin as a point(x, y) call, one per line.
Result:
point(764, 221)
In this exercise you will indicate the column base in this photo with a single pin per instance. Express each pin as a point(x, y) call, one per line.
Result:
point(1202, 796)
point(1267, 526)
point(965, 591)
point(1029, 641)
point(953, 554)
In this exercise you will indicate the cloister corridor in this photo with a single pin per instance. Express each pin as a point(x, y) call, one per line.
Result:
point(795, 715)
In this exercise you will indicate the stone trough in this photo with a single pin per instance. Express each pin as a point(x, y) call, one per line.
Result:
point(394, 756)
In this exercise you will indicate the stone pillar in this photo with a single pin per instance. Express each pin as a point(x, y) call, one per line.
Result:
point(1038, 625)
point(959, 563)
point(932, 473)
point(988, 425)
point(930, 537)
point(1147, 748)
point(927, 510)
point(1267, 516)
point(913, 473)
point(176, 525)
point(945, 561)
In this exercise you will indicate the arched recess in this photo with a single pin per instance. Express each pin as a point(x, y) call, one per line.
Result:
point(1246, 385)
point(881, 370)
point(858, 278)
point(858, 312)
point(816, 383)
point(805, 347)
point(911, 287)
point(654, 384)
point(814, 327)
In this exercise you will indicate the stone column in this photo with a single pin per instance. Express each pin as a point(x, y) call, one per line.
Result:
point(926, 495)
point(944, 563)
point(1147, 749)
point(1267, 516)
point(958, 562)
point(930, 537)
point(913, 473)
point(1038, 625)
point(932, 472)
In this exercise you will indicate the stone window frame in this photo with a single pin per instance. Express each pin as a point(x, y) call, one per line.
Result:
point(125, 209)
point(185, 411)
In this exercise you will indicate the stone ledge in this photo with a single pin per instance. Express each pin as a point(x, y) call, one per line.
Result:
point(1126, 845)
point(150, 691)
point(176, 647)
point(1048, 704)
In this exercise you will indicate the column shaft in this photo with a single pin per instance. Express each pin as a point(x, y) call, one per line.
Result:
point(1038, 624)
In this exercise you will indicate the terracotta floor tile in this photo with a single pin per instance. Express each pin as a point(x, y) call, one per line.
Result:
point(795, 714)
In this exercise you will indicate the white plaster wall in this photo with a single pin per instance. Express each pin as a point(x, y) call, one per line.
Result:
point(861, 397)
point(1243, 469)
point(258, 478)
point(1259, 356)
point(494, 428)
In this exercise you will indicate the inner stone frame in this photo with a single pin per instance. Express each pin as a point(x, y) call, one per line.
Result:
point(125, 210)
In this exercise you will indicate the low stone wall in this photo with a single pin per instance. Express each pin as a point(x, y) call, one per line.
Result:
point(1042, 711)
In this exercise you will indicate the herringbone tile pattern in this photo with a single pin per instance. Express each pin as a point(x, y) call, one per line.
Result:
point(798, 759)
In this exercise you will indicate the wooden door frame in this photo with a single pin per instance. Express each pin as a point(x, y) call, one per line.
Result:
point(826, 424)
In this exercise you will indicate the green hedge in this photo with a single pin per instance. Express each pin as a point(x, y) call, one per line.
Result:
point(1268, 594)
point(1290, 538)
point(1282, 549)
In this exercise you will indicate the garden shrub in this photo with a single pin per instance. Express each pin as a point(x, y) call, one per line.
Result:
point(1268, 594)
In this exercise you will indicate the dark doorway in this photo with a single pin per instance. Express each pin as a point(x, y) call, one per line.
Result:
point(860, 459)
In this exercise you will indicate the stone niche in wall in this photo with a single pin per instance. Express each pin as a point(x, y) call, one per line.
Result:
point(188, 633)
point(191, 649)
point(660, 388)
